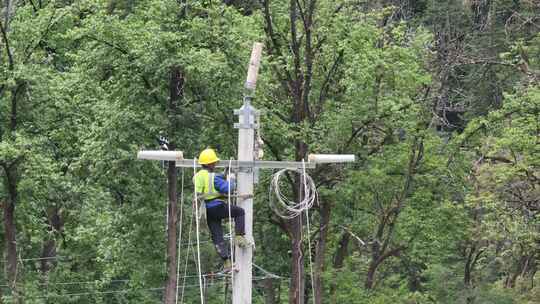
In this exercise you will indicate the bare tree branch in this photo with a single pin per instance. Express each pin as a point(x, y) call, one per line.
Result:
point(274, 48)
point(7, 48)
point(30, 50)
point(326, 83)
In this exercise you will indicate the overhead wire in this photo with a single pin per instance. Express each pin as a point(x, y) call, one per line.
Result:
point(156, 288)
point(66, 258)
point(180, 234)
point(197, 234)
point(75, 283)
point(119, 291)
point(266, 275)
point(187, 254)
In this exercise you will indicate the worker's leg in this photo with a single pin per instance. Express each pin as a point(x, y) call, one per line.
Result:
point(239, 226)
point(222, 211)
point(213, 218)
point(239, 220)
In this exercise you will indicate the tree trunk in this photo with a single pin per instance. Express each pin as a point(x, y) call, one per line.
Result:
point(470, 264)
point(7, 14)
point(49, 251)
point(468, 270)
point(520, 270)
point(339, 258)
point(370, 277)
point(170, 288)
point(10, 229)
point(296, 292)
point(480, 14)
point(269, 291)
point(320, 250)
point(298, 280)
point(11, 172)
point(375, 263)
point(176, 88)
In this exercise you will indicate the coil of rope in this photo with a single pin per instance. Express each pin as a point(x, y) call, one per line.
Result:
point(286, 208)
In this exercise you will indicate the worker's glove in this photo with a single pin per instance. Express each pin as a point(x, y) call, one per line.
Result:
point(231, 176)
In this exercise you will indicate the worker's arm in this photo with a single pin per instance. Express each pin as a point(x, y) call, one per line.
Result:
point(222, 185)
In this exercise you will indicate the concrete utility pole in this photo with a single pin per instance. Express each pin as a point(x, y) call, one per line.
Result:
point(246, 165)
point(246, 149)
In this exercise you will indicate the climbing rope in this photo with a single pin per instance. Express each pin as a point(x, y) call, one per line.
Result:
point(286, 208)
point(230, 221)
point(187, 255)
point(196, 202)
point(308, 234)
point(180, 234)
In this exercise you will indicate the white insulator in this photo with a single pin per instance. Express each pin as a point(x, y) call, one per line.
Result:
point(331, 158)
point(161, 155)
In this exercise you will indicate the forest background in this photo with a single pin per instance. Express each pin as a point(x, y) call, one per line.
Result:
point(439, 101)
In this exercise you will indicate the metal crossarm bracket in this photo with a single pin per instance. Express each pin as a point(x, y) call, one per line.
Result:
point(249, 112)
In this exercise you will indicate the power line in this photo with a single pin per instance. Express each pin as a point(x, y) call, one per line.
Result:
point(77, 283)
point(108, 292)
point(44, 258)
point(118, 291)
point(41, 258)
point(66, 258)
point(268, 275)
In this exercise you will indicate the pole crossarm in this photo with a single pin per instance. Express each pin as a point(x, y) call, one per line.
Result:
point(262, 164)
point(314, 159)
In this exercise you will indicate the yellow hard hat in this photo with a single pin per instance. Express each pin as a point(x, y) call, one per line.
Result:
point(208, 156)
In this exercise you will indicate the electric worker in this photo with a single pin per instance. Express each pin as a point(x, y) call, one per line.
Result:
point(213, 188)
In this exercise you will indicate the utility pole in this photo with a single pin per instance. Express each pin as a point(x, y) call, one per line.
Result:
point(246, 166)
point(246, 149)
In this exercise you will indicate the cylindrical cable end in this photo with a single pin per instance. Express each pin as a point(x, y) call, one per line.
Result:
point(331, 158)
point(161, 155)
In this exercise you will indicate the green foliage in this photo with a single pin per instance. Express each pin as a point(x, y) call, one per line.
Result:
point(85, 84)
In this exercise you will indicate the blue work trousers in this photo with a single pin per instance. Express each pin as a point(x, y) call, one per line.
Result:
point(214, 215)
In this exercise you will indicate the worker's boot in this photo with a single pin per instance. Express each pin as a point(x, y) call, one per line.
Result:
point(242, 241)
point(223, 250)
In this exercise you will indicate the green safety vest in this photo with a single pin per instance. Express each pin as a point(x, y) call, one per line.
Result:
point(204, 185)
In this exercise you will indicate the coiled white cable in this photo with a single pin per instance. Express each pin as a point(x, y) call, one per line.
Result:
point(286, 208)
